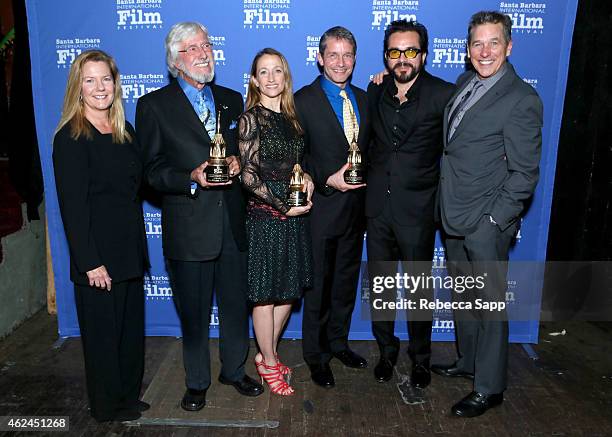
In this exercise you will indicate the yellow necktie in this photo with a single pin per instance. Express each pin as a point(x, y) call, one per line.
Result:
point(351, 128)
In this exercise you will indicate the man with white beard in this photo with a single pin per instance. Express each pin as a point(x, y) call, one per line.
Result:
point(204, 236)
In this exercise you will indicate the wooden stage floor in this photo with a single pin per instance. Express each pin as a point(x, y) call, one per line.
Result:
point(565, 391)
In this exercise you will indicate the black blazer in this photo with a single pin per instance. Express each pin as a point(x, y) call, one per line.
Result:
point(97, 185)
point(333, 212)
point(174, 142)
point(491, 164)
point(410, 169)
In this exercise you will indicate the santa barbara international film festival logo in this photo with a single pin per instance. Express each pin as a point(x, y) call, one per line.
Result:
point(218, 42)
point(448, 52)
point(157, 287)
point(386, 11)
point(153, 227)
point(266, 14)
point(312, 48)
point(245, 84)
point(139, 14)
point(531, 81)
point(134, 86)
point(68, 49)
point(527, 17)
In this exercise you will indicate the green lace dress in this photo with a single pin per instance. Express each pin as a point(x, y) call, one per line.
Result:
point(280, 259)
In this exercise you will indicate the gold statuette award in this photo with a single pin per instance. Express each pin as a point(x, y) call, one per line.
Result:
point(354, 174)
point(217, 169)
point(296, 195)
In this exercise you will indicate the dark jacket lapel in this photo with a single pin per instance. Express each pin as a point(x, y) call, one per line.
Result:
point(221, 109)
point(328, 110)
point(362, 107)
point(183, 107)
point(500, 88)
point(382, 124)
point(460, 85)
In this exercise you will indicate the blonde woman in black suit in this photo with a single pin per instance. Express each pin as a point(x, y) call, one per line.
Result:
point(97, 175)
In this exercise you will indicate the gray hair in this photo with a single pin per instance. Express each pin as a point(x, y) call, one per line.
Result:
point(178, 33)
point(490, 17)
point(337, 32)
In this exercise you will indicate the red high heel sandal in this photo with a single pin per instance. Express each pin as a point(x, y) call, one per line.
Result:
point(284, 369)
point(274, 379)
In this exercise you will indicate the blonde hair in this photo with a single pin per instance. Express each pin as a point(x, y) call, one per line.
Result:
point(73, 112)
point(287, 102)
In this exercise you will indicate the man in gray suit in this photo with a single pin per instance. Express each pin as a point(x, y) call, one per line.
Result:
point(490, 167)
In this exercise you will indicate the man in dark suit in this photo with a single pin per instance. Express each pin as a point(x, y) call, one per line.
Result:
point(332, 112)
point(204, 236)
point(490, 167)
point(406, 112)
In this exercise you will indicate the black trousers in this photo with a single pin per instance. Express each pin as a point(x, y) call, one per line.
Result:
point(112, 333)
point(329, 305)
point(192, 287)
point(482, 340)
point(389, 242)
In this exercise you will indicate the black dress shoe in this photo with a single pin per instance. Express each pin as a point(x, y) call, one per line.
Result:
point(351, 359)
point(193, 400)
point(322, 375)
point(383, 370)
point(142, 406)
point(420, 377)
point(476, 404)
point(451, 370)
point(246, 386)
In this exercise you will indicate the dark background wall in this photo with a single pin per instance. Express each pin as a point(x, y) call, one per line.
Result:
point(581, 216)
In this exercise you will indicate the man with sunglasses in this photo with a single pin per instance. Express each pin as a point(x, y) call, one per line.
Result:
point(204, 235)
point(406, 111)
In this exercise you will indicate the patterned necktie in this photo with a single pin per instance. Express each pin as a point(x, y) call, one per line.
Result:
point(351, 128)
point(462, 104)
point(205, 114)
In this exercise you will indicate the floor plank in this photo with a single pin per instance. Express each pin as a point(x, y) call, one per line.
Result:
point(566, 391)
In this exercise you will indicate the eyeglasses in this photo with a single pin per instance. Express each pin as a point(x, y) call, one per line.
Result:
point(194, 49)
point(409, 53)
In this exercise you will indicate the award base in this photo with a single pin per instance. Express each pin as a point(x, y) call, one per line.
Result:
point(354, 175)
point(217, 171)
point(296, 197)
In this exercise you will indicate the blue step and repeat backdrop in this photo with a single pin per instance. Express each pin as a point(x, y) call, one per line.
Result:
point(133, 31)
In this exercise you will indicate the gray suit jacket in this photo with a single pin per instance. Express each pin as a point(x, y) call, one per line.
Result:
point(491, 164)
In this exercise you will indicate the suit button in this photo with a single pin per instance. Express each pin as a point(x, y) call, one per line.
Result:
point(446, 152)
point(220, 202)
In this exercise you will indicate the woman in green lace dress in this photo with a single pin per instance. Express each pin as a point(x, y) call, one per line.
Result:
point(280, 267)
